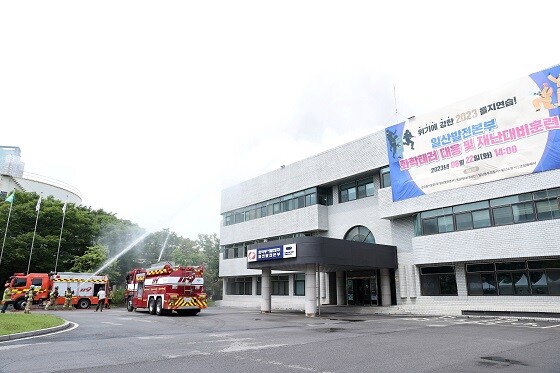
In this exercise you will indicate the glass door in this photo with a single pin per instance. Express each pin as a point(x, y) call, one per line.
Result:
point(350, 292)
point(372, 290)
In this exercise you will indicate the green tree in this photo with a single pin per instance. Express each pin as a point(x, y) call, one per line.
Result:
point(209, 245)
point(91, 239)
point(91, 260)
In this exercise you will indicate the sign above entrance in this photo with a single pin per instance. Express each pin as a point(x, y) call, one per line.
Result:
point(272, 253)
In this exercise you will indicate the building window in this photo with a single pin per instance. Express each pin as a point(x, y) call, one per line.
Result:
point(299, 284)
point(226, 252)
point(438, 280)
point(280, 285)
point(355, 189)
point(533, 277)
point(239, 286)
point(250, 214)
point(239, 217)
point(521, 208)
point(298, 201)
point(385, 177)
point(289, 202)
point(324, 196)
point(360, 233)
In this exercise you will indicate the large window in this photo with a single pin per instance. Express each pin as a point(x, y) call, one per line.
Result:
point(293, 201)
point(385, 177)
point(533, 277)
point(438, 280)
point(355, 189)
point(299, 284)
point(239, 286)
point(280, 285)
point(521, 208)
point(360, 233)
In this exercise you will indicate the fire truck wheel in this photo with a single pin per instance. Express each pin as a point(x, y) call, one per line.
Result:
point(152, 306)
point(159, 307)
point(83, 303)
point(129, 306)
point(20, 304)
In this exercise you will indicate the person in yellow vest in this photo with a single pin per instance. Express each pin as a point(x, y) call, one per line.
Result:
point(68, 299)
point(6, 298)
point(52, 299)
point(29, 299)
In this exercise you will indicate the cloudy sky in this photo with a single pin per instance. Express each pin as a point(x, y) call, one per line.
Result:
point(150, 109)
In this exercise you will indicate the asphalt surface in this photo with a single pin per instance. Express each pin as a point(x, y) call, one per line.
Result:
point(244, 340)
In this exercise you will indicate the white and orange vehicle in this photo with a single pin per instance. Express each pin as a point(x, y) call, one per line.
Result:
point(84, 285)
point(164, 288)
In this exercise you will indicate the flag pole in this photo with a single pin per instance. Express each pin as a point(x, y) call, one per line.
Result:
point(37, 208)
point(7, 222)
point(60, 238)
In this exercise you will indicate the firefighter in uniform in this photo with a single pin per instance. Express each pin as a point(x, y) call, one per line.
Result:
point(52, 299)
point(29, 299)
point(6, 298)
point(68, 299)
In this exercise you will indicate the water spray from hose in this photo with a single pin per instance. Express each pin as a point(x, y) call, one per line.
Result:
point(163, 247)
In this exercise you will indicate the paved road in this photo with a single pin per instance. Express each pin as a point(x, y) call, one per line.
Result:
point(238, 340)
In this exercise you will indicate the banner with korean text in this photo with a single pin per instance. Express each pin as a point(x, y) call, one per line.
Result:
point(507, 132)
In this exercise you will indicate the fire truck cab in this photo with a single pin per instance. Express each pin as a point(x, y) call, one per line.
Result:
point(164, 288)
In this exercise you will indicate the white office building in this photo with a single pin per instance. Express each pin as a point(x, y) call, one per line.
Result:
point(459, 218)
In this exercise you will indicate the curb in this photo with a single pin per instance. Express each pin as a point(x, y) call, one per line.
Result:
point(10, 337)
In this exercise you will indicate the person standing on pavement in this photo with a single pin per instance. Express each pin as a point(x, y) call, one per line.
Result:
point(108, 298)
point(29, 299)
point(68, 299)
point(6, 298)
point(100, 300)
point(52, 299)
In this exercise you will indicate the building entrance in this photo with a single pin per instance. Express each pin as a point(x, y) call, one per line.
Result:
point(362, 291)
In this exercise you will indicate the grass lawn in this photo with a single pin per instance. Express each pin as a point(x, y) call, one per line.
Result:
point(16, 322)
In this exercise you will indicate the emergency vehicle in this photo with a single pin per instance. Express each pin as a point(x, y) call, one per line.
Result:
point(164, 288)
point(84, 285)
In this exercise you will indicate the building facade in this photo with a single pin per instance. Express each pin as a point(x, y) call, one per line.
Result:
point(488, 247)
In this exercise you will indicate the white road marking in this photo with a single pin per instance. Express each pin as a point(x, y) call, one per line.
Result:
point(11, 347)
point(192, 353)
point(110, 323)
point(238, 347)
point(74, 326)
point(551, 326)
point(290, 366)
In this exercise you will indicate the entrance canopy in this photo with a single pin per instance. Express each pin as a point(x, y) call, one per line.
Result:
point(331, 254)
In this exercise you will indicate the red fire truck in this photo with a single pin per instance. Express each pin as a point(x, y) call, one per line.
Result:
point(164, 288)
point(84, 285)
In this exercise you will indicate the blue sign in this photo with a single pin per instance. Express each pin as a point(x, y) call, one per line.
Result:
point(271, 253)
